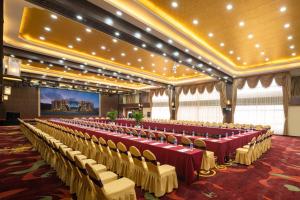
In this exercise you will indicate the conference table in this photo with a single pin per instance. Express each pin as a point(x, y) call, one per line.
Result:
point(184, 159)
point(178, 128)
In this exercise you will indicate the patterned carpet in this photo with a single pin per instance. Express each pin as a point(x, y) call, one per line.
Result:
point(276, 175)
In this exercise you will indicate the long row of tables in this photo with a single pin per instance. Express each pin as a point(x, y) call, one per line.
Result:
point(184, 159)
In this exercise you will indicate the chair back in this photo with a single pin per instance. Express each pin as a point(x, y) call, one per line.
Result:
point(136, 156)
point(151, 161)
point(152, 135)
point(185, 141)
point(123, 151)
point(134, 132)
point(161, 135)
point(143, 134)
point(200, 144)
point(171, 139)
point(112, 147)
point(93, 175)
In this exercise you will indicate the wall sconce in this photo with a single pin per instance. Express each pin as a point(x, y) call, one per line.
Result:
point(173, 106)
point(5, 97)
point(228, 102)
point(7, 90)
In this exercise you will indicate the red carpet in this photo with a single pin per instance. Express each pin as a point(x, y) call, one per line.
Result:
point(276, 175)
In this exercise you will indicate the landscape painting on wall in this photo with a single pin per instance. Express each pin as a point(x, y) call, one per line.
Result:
point(68, 102)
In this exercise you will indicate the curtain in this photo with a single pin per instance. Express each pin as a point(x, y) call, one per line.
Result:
point(160, 106)
point(295, 87)
point(198, 106)
point(259, 105)
point(283, 81)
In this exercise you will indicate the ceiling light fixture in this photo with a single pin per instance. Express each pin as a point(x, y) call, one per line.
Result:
point(231, 52)
point(287, 25)
point(241, 23)
point(222, 44)
point(119, 13)
point(79, 17)
point(290, 37)
point(78, 39)
point(210, 35)
point(47, 28)
point(186, 50)
point(123, 54)
point(115, 40)
point(70, 46)
point(159, 45)
point(88, 30)
point(117, 34)
point(292, 46)
point(53, 16)
point(229, 6)
point(170, 41)
point(93, 53)
point(257, 46)
point(174, 4)
point(282, 9)
point(108, 21)
point(267, 59)
point(293, 54)
point(195, 22)
point(103, 47)
point(42, 38)
point(148, 29)
point(262, 53)
point(250, 36)
point(137, 35)
point(135, 48)
point(144, 45)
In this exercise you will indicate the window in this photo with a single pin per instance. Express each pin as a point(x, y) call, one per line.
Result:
point(260, 105)
point(200, 107)
point(160, 107)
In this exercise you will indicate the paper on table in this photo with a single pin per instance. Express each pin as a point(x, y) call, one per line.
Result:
point(183, 150)
point(169, 146)
point(145, 141)
point(134, 138)
point(214, 140)
point(156, 143)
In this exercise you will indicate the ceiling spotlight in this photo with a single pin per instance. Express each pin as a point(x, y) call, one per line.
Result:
point(117, 34)
point(222, 44)
point(164, 54)
point(103, 47)
point(282, 9)
point(70, 46)
point(186, 50)
point(108, 21)
point(257, 46)
point(42, 38)
point(189, 60)
point(262, 53)
point(135, 48)
point(292, 46)
point(293, 54)
point(238, 58)
point(93, 53)
point(115, 40)
point(152, 55)
point(267, 59)
point(79, 17)
point(88, 30)
point(231, 52)
point(229, 6)
point(176, 54)
point(81, 66)
point(137, 35)
point(210, 34)
point(142, 67)
point(170, 41)
point(42, 61)
point(195, 22)
point(244, 63)
point(144, 45)
point(112, 58)
point(148, 29)
point(53, 16)
point(139, 60)
point(78, 39)
point(50, 65)
point(209, 69)
point(290, 37)
point(174, 4)
point(159, 45)
point(47, 28)
point(119, 13)
point(123, 54)
point(30, 61)
point(241, 23)
point(287, 25)
point(250, 36)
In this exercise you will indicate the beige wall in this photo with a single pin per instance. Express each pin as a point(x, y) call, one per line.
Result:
point(294, 120)
point(145, 110)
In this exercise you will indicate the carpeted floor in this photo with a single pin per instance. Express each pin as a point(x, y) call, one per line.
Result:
point(276, 175)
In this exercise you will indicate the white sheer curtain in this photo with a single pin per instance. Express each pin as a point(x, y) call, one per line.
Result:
point(160, 107)
point(261, 105)
point(200, 106)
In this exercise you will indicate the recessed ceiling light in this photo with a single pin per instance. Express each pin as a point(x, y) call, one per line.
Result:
point(137, 35)
point(267, 59)
point(153, 70)
point(128, 63)
point(165, 69)
point(229, 6)
point(103, 47)
point(117, 34)
point(153, 64)
point(187, 50)
point(244, 63)
point(30, 61)
point(241, 23)
point(257, 46)
point(152, 55)
point(287, 25)
point(78, 39)
point(81, 66)
point(164, 54)
point(112, 58)
point(170, 41)
point(50, 65)
point(42, 38)
point(292, 46)
point(60, 61)
point(148, 29)
point(195, 22)
point(108, 21)
point(88, 30)
point(159, 45)
point(210, 63)
point(231, 52)
point(189, 60)
point(290, 37)
point(238, 58)
point(79, 17)
point(119, 13)
point(42, 61)
point(166, 60)
point(144, 45)
point(174, 4)
point(53, 16)
point(210, 35)
point(250, 36)
point(115, 40)
point(282, 9)
point(199, 57)
point(176, 53)
point(209, 69)
point(139, 60)
point(123, 54)
point(142, 67)
point(262, 53)
point(47, 28)
point(222, 44)
point(70, 46)
point(293, 54)
point(93, 53)
point(135, 48)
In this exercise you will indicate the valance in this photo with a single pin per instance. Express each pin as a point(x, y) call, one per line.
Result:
point(200, 88)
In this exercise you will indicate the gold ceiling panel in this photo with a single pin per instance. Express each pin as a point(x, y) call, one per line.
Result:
point(253, 32)
point(34, 67)
point(62, 32)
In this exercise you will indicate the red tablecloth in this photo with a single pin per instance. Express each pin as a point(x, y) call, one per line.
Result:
point(184, 162)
